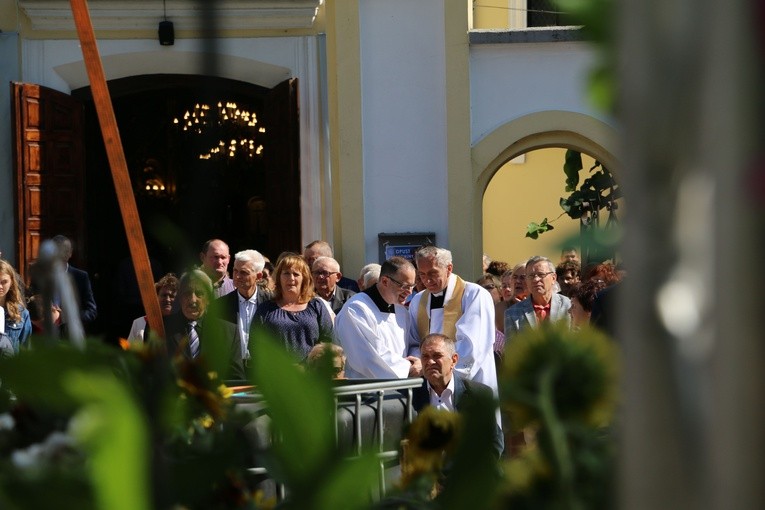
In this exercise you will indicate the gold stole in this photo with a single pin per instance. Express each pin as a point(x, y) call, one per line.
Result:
point(452, 312)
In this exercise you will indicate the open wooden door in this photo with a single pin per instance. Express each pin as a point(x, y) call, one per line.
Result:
point(282, 168)
point(49, 170)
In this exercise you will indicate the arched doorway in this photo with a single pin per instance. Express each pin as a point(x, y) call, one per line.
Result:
point(531, 134)
point(232, 173)
point(527, 189)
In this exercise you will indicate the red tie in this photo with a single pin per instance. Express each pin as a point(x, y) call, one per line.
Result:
point(542, 311)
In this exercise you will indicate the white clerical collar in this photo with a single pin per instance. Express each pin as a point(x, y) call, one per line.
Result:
point(438, 294)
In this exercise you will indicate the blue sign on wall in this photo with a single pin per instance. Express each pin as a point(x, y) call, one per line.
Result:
point(403, 244)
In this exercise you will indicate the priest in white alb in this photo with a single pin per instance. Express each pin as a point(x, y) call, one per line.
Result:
point(455, 308)
point(371, 326)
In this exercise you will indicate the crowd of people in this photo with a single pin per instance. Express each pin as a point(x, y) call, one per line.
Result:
point(399, 319)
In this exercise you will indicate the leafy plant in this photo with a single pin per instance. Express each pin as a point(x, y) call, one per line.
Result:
point(561, 387)
point(596, 193)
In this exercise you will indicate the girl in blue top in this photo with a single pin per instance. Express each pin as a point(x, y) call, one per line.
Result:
point(16, 326)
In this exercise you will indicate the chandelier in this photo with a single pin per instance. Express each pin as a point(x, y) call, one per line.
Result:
point(235, 128)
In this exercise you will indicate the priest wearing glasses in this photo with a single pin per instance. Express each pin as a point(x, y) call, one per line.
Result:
point(193, 334)
point(542, 305)
point(371, 327)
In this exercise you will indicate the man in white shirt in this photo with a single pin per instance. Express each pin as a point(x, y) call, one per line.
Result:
point(371, 326)
point(239, 306)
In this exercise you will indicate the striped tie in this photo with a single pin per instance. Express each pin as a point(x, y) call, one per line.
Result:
point(193, 339)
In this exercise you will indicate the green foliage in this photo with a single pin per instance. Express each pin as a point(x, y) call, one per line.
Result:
point(533, 230)
point(112, 428)
point(598, 20)
point(562, 385)
point(597, 192)
point(303, 454)
point(137, 430)
point(571, 167)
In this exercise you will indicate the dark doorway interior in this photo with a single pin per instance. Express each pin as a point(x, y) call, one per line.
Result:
point(231, 174)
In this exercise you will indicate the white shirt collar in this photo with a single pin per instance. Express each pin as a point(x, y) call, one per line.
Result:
point(252, 299)
point(444, 401)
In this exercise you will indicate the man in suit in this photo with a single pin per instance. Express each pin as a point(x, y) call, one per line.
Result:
point(443, 388)
point(542, 304)
point(81, 281)
point(192, 333)
point(239, 306)
point(326, 273)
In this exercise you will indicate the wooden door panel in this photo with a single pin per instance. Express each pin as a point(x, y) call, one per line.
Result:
point(49, 169)
point(282, 167)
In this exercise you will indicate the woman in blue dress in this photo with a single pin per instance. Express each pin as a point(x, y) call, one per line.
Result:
point(15, 326)
point(295, 315)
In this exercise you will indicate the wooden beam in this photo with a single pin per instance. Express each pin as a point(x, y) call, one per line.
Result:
point(118, 165)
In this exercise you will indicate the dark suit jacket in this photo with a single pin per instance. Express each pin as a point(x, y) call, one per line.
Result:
point(227, 307)
point(87, 302)
point(210, 330)
point(339, 298)
point(348, 283)
point(604, 309)
point(463, 390)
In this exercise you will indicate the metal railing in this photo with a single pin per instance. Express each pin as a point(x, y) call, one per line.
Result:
point(356, 397)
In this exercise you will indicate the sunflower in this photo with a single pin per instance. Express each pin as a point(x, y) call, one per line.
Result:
point(574, 370)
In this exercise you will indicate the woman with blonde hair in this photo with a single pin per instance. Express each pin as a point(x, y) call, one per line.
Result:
point(15, 325)
point(295, 315)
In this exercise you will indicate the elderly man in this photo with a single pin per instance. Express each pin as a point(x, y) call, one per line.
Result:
point(318, 248)
point(455, 308)
point(443, 388)
point(326, 273)
point(193, 334)
point(542, 304)
point(239, 307)
point(371, 327)
point(215, 258)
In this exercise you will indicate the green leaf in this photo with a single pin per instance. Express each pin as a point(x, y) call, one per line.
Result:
point(344, 487)
point(571, 167)
point(114, 430)
point(534, 229)
point(300, 405)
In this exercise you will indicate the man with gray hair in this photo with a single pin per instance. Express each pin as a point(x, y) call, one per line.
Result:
point(239, 306)
point(192, 333)
point(542, 304)
point(326, 273)
point(368, 276)
point(458, 309)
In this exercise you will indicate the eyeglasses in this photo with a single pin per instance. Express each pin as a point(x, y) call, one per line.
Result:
point(323, 274)
point(401, 285)
point(534, 276)
point(489, 286)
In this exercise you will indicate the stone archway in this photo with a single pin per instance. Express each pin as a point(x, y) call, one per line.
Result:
point(532, 132)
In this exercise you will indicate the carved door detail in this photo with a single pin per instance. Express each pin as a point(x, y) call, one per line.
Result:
point(49, 170)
